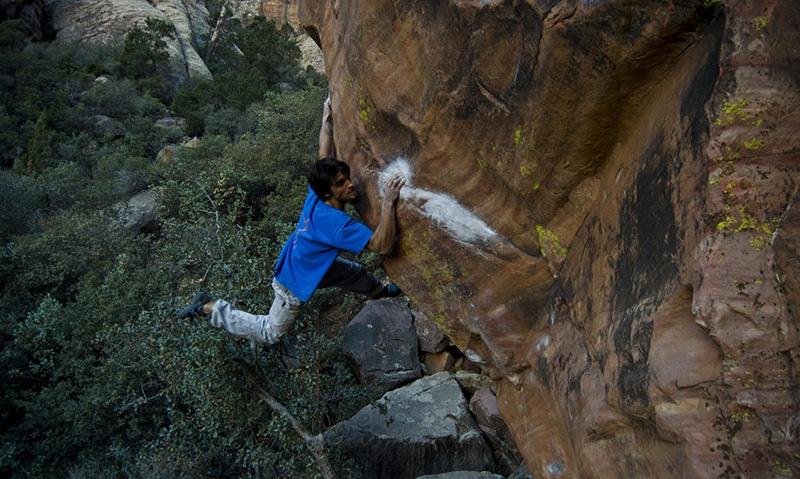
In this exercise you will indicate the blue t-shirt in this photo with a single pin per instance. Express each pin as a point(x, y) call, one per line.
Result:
point(321, 234)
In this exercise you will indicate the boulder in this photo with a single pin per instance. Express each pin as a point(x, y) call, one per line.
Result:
point(382, 346)
point(483, 406)
point(598, 211)
point(167, 153)
point(438, 362)
point(431, 337)
point(105, 126)
point(472, 381)
point(139, 213)
point(422, 428)
point(172, 122)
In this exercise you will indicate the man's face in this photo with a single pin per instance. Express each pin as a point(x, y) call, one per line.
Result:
point(342, 189)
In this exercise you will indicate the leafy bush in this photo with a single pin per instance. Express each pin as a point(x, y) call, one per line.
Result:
point(99, 379)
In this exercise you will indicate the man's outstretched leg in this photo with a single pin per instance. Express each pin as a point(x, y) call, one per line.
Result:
point(256, 327)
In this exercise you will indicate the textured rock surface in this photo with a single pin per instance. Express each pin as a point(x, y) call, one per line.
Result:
point(600, 208)
point(422, 428)
point(381, 344)
point(100, 21)
point(483, 405)
point(139, 213)
point(431, 338)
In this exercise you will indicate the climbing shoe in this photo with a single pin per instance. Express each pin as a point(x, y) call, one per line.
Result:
point(389, 291)
point(196, 308)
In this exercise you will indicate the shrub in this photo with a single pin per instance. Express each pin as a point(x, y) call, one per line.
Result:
point(100, 379)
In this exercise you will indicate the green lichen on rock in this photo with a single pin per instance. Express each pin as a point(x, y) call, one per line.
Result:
point(549, 244)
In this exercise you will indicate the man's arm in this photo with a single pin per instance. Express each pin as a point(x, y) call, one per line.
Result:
point(325, 133)
point(382, 240)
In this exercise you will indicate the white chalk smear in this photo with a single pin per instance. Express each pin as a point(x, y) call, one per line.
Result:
point(442, 208)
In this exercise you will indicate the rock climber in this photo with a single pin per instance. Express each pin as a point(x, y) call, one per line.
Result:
point(310, 258)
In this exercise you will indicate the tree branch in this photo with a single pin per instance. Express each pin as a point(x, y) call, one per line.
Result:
point(316, 444)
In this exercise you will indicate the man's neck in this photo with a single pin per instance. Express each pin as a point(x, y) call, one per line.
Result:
point(339, 205)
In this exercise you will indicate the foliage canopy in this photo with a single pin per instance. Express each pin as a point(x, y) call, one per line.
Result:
point(100, 380)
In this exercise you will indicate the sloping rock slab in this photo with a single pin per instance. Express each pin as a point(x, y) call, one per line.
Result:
point(422, 428)
point(382, 345)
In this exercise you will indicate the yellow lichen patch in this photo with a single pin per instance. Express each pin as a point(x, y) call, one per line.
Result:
point(407, 241)
point(760, 22)
point(728, 222)
point(549, 244)
point(741, 416)
point(781, 467)
point(733, 111)
point(764, 229)
point(436, 275)
point(753, 144)
point(440, 321)
point(747, 223)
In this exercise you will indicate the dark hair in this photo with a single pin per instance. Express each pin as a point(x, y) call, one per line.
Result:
point(322, 173)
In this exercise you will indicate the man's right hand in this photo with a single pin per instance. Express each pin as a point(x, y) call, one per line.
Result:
point(392, 187)
point(382, 240)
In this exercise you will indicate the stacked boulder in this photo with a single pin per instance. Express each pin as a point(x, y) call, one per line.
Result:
point(438, 416)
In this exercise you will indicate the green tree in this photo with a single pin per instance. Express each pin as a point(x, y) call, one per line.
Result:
point(268, 56)
point(12, 35)
point(145, 57)
point(247, 63)
point(32, 161)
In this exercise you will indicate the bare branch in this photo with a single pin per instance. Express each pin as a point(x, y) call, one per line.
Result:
point(316, 444)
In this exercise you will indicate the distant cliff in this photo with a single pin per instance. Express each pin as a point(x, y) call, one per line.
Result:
point(601, 209)
point(98, 21)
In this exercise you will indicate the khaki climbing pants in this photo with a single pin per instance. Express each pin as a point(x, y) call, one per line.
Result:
point(261, 328)
point(286, 307)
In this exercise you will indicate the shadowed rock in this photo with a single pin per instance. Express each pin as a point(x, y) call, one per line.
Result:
point(422, 428)
point(599, 210)
point(382, 346)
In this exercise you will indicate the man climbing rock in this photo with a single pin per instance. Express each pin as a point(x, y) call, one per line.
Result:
point(310, 258)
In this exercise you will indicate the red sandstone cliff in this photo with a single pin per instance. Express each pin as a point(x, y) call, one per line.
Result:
point(601, 209)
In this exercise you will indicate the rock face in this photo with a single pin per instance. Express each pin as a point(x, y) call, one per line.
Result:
point(29, 11)
point(600, 209)
point(95, 22)
point(422, 428)
point(100, 21)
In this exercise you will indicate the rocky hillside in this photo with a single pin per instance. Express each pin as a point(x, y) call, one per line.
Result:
point(98, 21)
point(600, 209)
